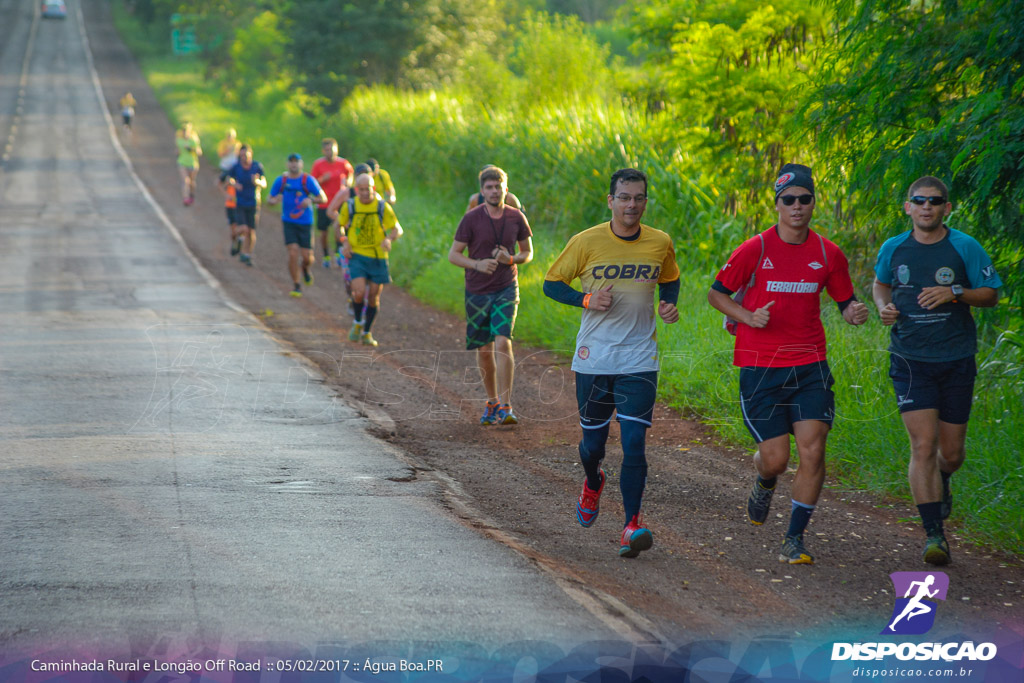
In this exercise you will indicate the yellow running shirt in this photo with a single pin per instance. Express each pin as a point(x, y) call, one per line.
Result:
point(622, 339)
point(366, 232)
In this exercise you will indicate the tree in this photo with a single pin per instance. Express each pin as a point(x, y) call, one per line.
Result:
point(726, 79)
point(929, 88)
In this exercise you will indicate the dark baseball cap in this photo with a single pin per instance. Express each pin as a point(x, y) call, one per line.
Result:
point(294, 157)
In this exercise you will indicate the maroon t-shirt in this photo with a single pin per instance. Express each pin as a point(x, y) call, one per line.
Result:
point(483, 234)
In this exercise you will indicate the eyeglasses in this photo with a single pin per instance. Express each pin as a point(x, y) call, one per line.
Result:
point(805, 199)
point(625, 198)
point(934, 201)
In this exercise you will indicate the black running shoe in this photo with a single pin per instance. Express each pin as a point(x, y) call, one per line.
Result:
point(936, 550)
point(794, 552)
point(758, 503)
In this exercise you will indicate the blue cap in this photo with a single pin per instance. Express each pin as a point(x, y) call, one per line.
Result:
point(294, 157)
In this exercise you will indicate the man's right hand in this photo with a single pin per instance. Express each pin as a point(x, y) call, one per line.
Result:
point(601, 300)
point(346, 249)
point(759, 317)
point(889, 315)
point(487, 265)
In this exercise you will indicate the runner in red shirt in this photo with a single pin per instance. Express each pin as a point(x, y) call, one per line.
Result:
point(785, 381)
point(332, 173)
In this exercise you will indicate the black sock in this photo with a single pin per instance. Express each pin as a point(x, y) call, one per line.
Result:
point(767, 483)
point(357, 307)
point(371, 313)
point(799, 518)
point(931, 517)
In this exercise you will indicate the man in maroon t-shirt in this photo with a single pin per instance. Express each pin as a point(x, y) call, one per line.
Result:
point(491, 232)
point(785, 381)
point(333, 173)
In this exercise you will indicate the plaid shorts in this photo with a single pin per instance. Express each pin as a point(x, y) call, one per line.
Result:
point(490, 315)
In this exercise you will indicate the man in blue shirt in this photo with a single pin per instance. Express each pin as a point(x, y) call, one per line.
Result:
point(247, 178)
point(926, 281)
point(297, 192)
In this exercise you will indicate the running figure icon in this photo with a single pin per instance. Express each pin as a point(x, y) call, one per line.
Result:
point(916, 607)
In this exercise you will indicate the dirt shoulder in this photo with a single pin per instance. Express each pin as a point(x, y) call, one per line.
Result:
point(710, 572)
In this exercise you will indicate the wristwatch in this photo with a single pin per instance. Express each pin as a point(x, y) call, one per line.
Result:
point(958, 291)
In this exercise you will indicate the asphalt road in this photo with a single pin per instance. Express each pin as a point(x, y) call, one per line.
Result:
point(171, 473)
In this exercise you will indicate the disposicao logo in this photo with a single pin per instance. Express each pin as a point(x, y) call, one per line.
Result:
point(917, 596)
point(914, 613)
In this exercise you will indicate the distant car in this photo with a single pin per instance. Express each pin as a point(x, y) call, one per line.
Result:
point(54, 9)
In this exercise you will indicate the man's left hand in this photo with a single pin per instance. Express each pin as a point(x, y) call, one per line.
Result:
point(668, 312)
point(933, 297)
point(856, 313)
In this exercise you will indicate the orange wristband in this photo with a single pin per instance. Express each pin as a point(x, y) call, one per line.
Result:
point(586, 301)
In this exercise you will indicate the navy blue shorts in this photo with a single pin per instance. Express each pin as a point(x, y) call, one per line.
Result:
point(946, 386)
point(631, 396)
point(231, 211)
point(373, 269)
point(298, 233)
point(772, 399)
point(247, 215)
point(322, 221)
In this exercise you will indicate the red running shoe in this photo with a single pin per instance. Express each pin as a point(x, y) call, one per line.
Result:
point(588, 504)
point(635, 538)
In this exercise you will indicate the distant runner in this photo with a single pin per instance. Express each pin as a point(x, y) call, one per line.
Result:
point(367, 229)
point(333, 173)
point(382, 182)
point(227, 150)
point(127, 105)
point(189, 151)
point(247, 178)
point(298, 191)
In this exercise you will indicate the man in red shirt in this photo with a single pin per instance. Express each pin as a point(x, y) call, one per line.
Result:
point(785, 381)
point(332, 173)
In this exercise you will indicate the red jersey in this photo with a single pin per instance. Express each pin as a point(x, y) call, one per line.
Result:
point(340, 171)
point(793, 276)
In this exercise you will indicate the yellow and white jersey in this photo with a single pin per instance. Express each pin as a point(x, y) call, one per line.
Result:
point(622, 339)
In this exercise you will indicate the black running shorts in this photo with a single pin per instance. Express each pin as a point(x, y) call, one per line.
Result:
point(772, 399)
point(946, 386)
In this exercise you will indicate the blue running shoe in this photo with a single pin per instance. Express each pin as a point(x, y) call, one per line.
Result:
point(588, 505)
point(488, 417)
point(505, 416)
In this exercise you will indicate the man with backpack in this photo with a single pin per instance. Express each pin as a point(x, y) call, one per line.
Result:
point(367, 227)
point(785, 381)
point(296, 192)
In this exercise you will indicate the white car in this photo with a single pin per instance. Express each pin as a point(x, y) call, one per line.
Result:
point(54, 9)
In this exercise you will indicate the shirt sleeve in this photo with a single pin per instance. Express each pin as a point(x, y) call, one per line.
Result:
point(980, 271)
point(838, 284)
point(317, 189)
point(524, 228)
point(275, 189)
point(463, 233)
point(568, 264)
point(741, 264)
point(669, 267)
point(883, 266)
point(390, 218)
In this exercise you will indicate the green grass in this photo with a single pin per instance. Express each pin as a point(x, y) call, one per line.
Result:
point(559, 162)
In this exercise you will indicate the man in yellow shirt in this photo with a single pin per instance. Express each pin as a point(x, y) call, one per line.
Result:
point(382, 180)
point(367, 227)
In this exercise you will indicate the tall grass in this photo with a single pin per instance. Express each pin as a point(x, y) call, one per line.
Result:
point(559, 162)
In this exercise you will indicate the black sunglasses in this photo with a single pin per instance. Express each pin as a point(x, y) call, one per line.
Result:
point(934, 201)
point(805, 199)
